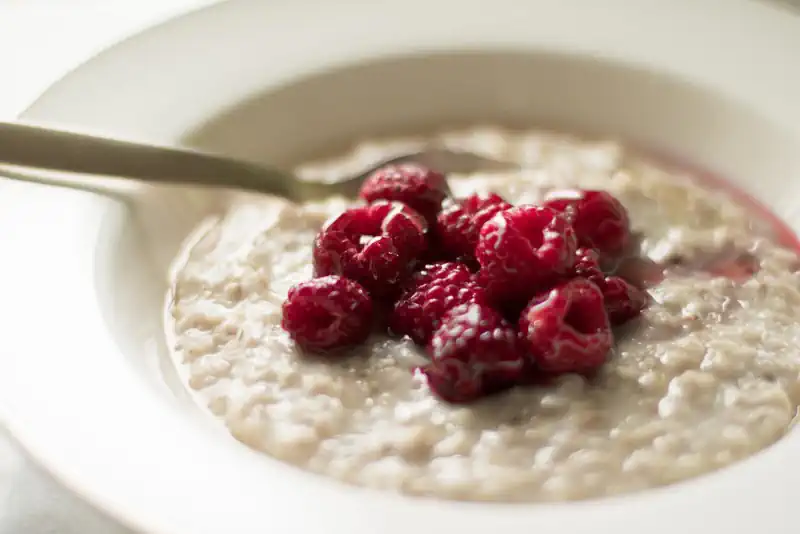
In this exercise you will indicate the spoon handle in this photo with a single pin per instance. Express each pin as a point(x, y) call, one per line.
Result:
point(35, 147)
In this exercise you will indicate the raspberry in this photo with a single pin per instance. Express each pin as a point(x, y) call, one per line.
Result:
point(458, 225)
point(473, 353)
point(567, 329)
point(623, 301)
point(414, 185)
point(431, 293)
point(327, 313)
point(600, 220)
point(523, 249)
point(375, 245)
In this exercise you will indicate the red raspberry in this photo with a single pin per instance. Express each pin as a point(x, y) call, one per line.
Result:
point(404, 226)
point(458, 225)
point(327, 313)
point(375, 245)
point(567, 329)
point(431, 293)
point(522, 249)
point(623, 301)
point(600, 220)
point(472, 353)
point(414, 185)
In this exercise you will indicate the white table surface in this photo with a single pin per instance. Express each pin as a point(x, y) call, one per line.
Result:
point(40, 41)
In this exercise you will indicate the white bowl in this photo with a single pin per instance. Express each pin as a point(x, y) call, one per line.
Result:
point(90, 389)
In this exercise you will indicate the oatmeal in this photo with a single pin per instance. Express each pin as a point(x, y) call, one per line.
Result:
point(706, 376)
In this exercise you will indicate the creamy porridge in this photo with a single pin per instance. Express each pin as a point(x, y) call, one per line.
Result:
point(708, 375)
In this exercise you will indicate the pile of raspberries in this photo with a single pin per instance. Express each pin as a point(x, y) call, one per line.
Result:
point(498, 295)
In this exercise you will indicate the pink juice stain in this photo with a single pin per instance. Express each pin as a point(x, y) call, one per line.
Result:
point(731, 263)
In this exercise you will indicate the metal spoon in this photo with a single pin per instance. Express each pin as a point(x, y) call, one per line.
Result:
point(35, 152)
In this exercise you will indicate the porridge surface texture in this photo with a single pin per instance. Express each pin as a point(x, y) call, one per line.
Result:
point(707, 376)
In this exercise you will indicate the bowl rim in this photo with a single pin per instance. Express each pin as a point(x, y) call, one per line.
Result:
point(156, 486)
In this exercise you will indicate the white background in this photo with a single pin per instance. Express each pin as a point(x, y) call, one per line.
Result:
point(41, 40)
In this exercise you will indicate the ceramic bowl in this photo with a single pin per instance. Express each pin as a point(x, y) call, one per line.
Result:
point(91, 390)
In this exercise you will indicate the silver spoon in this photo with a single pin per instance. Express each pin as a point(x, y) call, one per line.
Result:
point(43, 155)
